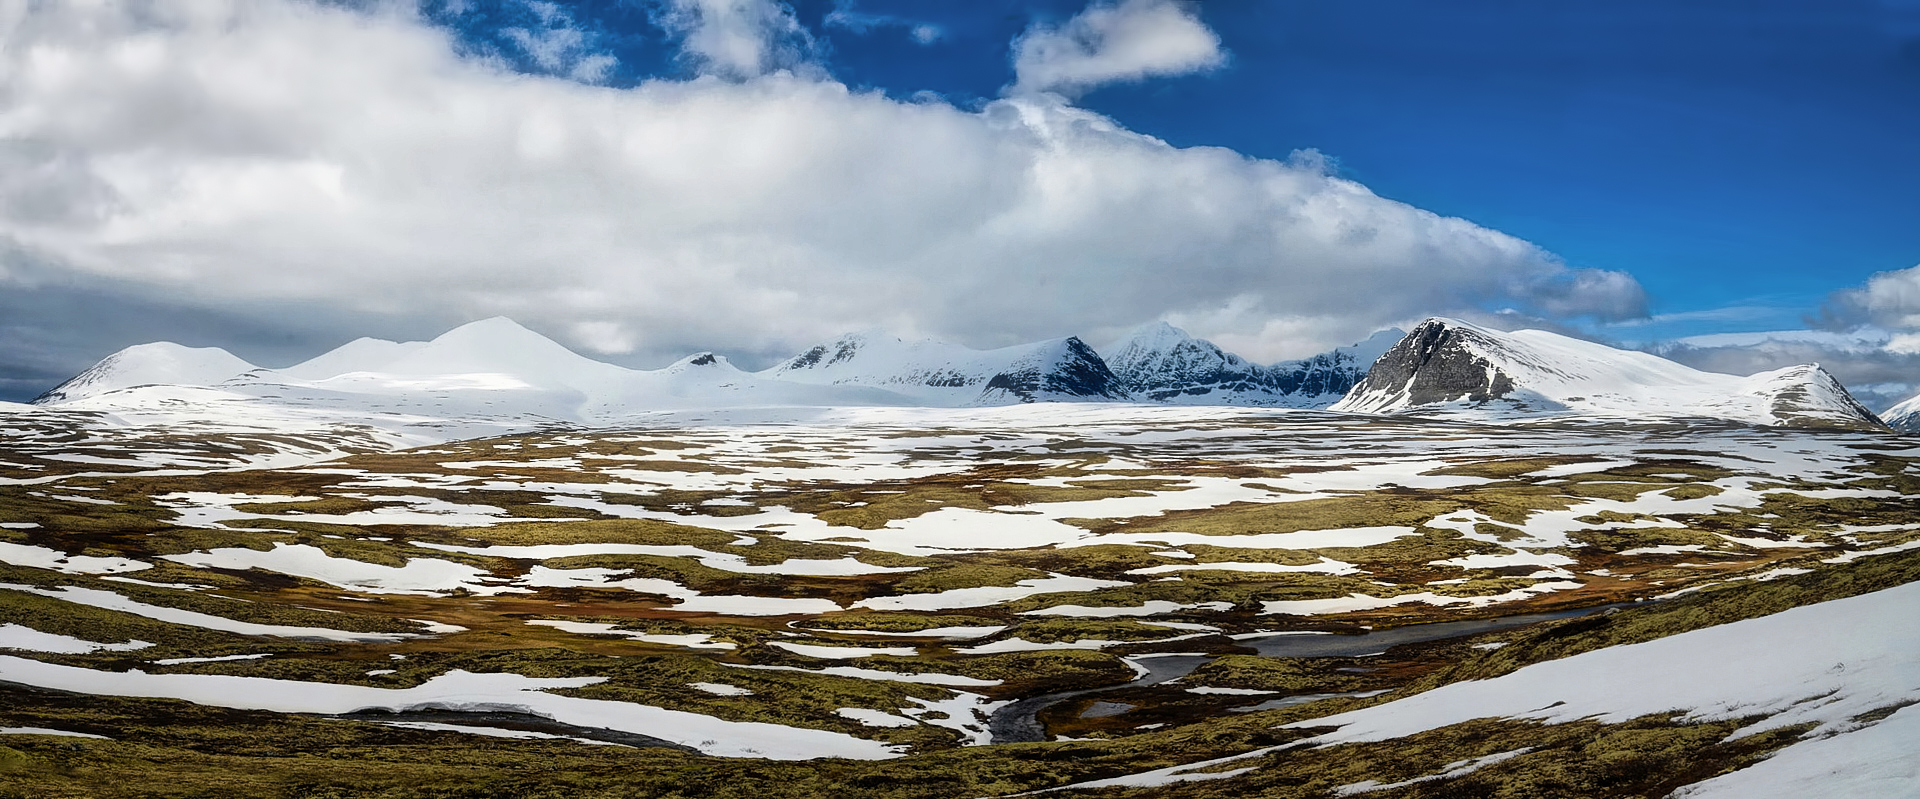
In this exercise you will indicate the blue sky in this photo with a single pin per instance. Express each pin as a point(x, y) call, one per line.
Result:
point(1741, 159)
point(643, 178)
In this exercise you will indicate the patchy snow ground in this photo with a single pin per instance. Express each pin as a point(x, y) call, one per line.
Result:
point(15, 636)
point(424, 576)
point(760, 474)
point(112, 601)
point(1824, 663)
point(690, 640)
point(458, 690)
point(46, 558)
point(991, 595)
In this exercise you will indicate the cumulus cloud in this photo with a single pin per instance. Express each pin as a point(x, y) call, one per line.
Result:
point(1872, 363)
point(1110, 42)
point(738, 38)
point(1889, 299)
point(229, 157)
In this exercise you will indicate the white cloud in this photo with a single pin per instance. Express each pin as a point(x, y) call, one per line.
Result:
point(1889, 299)
point(738, 38)
point(230, 155)
point(1879, 368)
point(847, 14)
point(607, 338)
point(1114, 42)
point(557, 44)
point(1904, 344)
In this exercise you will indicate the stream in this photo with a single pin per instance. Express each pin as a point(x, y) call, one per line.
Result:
point(1019, 722)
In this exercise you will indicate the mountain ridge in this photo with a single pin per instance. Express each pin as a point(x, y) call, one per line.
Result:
point(1160, 362)
point(498, 369)
point(1451, 367)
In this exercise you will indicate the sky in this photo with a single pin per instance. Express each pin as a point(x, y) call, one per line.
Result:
point(1730, 184)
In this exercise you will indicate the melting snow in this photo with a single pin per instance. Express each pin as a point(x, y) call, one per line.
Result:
point(460, 691)
point(14, 636)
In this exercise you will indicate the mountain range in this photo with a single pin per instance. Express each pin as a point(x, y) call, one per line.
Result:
point(1446, 367)
point(497, 370)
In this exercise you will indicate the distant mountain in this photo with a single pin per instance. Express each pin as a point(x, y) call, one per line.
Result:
point(358, 355)
point(495, 373)
point(1160, 362)
point(1062, 370)
point(1451, 367)
point(938, 373)
point(159, 363)
point(1904, 417)
point(480, 378)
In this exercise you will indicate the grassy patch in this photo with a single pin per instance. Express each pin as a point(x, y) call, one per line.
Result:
point(965, 575)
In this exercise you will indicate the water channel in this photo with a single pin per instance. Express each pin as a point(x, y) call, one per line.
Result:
point(1019, 722)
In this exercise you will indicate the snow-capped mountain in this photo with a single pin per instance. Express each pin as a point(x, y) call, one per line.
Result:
point(494, 375)
point(159, 363)
point(938, 373)
point(1160, 362)
point(483, 378)
point(1451, 367)
point(1061, 370)
point(1904, 417)
point(358, 355)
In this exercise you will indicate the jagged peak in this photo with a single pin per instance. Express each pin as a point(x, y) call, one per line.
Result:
point(848, 346)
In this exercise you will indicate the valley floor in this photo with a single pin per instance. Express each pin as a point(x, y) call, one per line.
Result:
point(1103, 599)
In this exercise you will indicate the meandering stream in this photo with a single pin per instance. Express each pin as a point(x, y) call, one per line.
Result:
point(1019, 722)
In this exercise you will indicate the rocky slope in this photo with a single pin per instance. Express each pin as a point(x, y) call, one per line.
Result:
point(1450, 367)
point(1904, 417)
point(1161, 363)
point(938, 373)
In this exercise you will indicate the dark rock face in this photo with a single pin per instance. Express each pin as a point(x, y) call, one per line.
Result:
point(1434, 364)
point(843, 350)
point(1333, 373)
point(1165, 364)
point(1078, 372)
point(1326, 374)
point(1902, 421)
point(1798, 407)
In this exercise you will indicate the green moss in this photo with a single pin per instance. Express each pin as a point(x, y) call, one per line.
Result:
point(1287, 675)
point(1365, 510)
point(895, 622)
point(596, 531)
point(1694, 491)
point(946, 578)
point(1428, 545)
point(1051, 630)
point(327, 505)
point(1620, 539)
